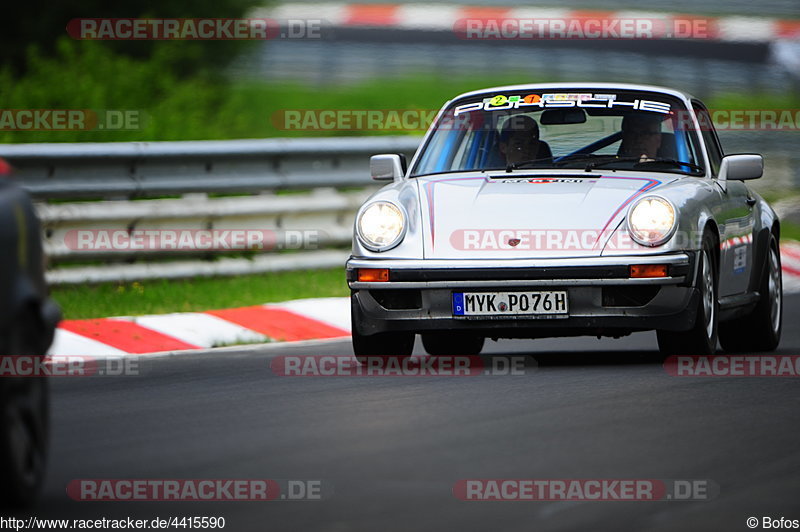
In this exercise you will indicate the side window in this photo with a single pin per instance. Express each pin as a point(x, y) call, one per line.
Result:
point(709, 136)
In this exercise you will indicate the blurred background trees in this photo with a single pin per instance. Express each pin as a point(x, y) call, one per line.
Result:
point(39, 25)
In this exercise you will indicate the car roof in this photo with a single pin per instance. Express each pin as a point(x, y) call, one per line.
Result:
point(589, 85)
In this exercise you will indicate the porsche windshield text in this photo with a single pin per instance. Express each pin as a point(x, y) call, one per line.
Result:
point(587, 130)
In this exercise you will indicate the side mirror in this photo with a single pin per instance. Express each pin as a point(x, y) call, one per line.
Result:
point(741, 167)
point(387, 167)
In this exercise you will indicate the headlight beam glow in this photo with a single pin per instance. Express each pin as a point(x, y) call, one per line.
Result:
point(381, 226)
point(651, 221)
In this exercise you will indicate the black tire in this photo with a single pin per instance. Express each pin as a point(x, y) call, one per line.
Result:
point(701, 339)
point(452, 344)
point(24, 436)
point(382, 345)
point(761, 329)
point(24, 422)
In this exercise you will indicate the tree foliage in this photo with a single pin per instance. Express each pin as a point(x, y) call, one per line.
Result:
point(39, 24)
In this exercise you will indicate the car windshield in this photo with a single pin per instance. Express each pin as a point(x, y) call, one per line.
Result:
point(613, 130)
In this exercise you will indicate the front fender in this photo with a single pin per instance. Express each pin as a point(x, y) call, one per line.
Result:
point(693, 199)
point(403, 193)
point(767, 220)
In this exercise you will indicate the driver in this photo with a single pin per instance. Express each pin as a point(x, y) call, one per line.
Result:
point(641, 136)
point(519, 141)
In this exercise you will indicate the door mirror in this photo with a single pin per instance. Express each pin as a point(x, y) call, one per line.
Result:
point(741, 167)
point(387, 167)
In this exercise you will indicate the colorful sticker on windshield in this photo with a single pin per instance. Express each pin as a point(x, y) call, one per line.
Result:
point(501, 102)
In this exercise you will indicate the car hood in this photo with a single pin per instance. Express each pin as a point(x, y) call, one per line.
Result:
point(514, 215)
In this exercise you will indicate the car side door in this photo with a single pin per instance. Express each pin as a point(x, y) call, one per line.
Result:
point(734, 215)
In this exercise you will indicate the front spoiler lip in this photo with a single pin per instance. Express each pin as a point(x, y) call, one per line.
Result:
point(549, 272)
point(676, 312)
point(414, 264)
point(356, 285)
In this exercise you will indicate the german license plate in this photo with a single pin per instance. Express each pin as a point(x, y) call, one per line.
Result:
point(510, 303)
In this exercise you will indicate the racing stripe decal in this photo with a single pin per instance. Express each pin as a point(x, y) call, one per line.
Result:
point(429, 189)
point(649, 185)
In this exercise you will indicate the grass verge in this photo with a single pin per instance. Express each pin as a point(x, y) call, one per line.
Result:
point(790, 231)
point(187, 295)
point(200, 294)
point(89, 75)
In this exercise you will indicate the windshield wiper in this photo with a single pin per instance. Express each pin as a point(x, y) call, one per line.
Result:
point(567, 159)
point(614, 159)
point(514, 166)
point(639, 162)
point(674, 162)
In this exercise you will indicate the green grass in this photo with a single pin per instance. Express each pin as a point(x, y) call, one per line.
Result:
point(88, 75)
point(790, 231)
point(162, 296)
point(188, 295)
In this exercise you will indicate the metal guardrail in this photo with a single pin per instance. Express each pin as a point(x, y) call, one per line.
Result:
point(117, 173)
point(329, 258)
point(120, 230)
point(142, 169)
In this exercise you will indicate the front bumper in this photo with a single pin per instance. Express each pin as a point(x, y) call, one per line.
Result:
point(603, 299)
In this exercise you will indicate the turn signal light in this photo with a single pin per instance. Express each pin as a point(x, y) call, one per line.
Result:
point(373, 275)
point(648, 271)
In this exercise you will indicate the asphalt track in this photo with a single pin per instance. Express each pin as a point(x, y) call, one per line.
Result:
point(391, 448)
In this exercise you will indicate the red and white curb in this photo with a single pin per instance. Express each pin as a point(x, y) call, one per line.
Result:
point(418, 16)
point(291, 321)
point(790, 263)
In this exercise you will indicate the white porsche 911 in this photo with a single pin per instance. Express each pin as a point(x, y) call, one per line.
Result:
point(547, 210)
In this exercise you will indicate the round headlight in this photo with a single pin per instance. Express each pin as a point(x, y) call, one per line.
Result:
point(381, 226)
point(651, 221)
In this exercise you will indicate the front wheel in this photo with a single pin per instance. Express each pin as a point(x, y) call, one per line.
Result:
point(701, 339)
point(761, 329)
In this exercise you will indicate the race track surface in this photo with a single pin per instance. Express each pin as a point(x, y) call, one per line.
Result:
point(390, 449)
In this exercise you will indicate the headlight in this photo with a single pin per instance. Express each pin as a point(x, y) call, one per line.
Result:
point(651, 221)
point(381, 226)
